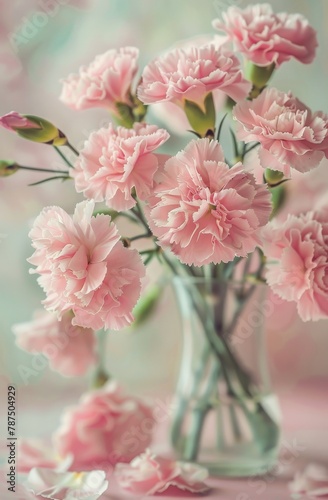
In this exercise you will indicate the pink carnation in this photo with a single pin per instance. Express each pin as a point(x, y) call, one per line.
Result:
point(13, 120)
point(105, 428)
point(63, 485)
point(205, 212)
point(266, 38)
point(85, 268)
point(71, 350)
point(291, 136)
point(113, 162)
point(297, 267)
point(191, 74)
point(312, 482)
point(106, 81)
point(149, 474)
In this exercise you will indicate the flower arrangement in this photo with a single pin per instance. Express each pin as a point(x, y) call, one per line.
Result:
point(205, 216)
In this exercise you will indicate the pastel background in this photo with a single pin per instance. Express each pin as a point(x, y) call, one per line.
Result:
point(36, 51)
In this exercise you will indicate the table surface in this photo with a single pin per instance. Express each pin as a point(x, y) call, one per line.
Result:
point(304, 441)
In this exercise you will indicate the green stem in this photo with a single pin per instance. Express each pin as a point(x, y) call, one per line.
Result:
point(72, 148)
point(138, 212)
point(101, 375)
point(141, 236)
point(49, 179)
point(48, 170)
point(66, 160)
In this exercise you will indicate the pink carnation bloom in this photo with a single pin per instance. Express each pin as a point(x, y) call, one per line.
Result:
point(105, 428)
point(106, 81)
point(71, 350)
point(113, 162)
point(291, 136)
point(312, 482)
point(84, 267)
point(297, 266)
point(266, 38)
point(63, 485)
point(13, 120)
point(205, 212)
point(191, 74)
point(149, 474)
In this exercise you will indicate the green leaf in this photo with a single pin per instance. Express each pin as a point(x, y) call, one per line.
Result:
point(147, 304)
point(220, 127)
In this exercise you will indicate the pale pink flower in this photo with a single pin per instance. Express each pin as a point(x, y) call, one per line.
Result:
point(297, 262)
point(114, 161)
point(205, 212)
point(71, 350)
point(191, 74)
point(85, 268)
point(265, 37)
point(48, 483)
point(13, 121)
point(312, 482)
point(291, 136)
point(105, 82)
point(148, 474)
point(106, 427)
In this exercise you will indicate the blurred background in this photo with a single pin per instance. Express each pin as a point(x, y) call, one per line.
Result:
point(42, 41)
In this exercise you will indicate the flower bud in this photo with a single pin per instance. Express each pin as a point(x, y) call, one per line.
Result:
point(101, 378)
point(7, 167)
point(273, 177)
point(201, 120)
point(259, 76)
point(33, 128)
point(278, 199)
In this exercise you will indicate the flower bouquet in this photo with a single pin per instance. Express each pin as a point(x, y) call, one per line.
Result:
point(213, 214)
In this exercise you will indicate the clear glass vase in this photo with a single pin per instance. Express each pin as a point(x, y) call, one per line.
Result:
point(225, 414)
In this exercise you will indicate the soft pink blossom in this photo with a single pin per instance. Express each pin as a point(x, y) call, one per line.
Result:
point(205, 212)
point(114, 161)
point(13, 120)
point(297, 262)
point(47, 483)
point(191, 74)
point(148, 474)
point(105, 82)
point(71, 350)
point(105, 428)
point(291, 136)
point(84, 267)
point(265, 37)
point(312, 482)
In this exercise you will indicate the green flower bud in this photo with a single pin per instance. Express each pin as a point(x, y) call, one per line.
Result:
point(278, 198)
point(259, 76)
point(7, 168)
point(273, 177)
point(201, 120)
point(45, 133)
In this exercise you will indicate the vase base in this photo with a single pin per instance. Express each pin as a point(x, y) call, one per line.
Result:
point(237, 469)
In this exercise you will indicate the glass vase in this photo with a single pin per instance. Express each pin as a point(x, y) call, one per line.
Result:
point(225, 414)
